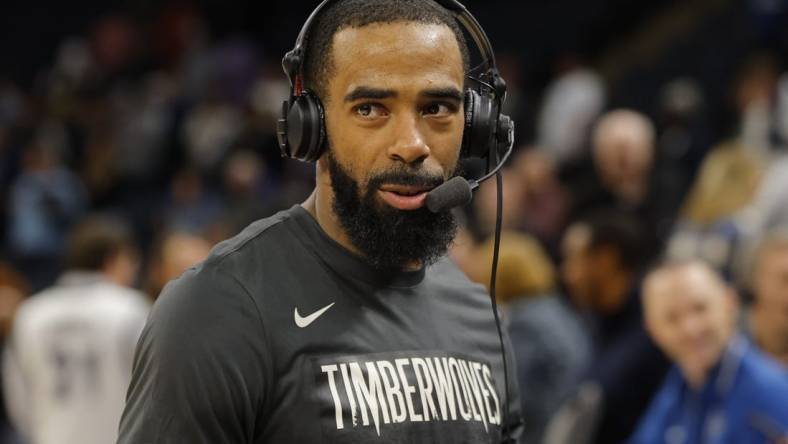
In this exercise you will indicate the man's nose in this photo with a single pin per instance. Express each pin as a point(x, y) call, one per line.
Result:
point(691, 326)
point(409, 146)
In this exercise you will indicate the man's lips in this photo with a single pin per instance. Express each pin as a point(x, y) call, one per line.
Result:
point(404, 197)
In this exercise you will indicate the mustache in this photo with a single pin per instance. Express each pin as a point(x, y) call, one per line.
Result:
point(405, 177)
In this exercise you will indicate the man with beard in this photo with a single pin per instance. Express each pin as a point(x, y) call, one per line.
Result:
point(340, 320)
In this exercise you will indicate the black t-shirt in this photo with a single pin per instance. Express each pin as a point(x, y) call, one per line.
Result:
point(283, 336)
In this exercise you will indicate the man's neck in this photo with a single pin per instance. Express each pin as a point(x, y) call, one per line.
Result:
point(696, 378)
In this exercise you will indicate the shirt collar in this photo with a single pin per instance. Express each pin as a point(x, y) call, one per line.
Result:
point(723, 375)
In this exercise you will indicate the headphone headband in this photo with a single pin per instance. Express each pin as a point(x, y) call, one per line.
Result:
point(293, 61)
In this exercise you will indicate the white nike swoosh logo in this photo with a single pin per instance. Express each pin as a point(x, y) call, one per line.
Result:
point(304, 322)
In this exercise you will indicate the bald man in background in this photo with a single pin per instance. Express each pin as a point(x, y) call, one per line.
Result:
point(623, 172)
point(623, 152)
point(721, 390)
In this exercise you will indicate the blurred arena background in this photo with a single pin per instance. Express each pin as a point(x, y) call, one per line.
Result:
point(159, 116)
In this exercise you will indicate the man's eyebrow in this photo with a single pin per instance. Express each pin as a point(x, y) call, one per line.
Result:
point(366, 92)
point(443, 93)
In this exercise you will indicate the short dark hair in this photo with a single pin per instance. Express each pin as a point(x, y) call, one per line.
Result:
point(96, 240)
point(318, 63)
point(619, 230)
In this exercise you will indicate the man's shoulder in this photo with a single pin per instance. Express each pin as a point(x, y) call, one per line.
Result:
point(446, 278)
point(761, 388)
point(267, 231)
point(445, 272)
point(243, 275)
point(206, 307)
point(253, 252)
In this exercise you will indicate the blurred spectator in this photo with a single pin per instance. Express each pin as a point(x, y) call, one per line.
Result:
point(769, 207)
point(707, 227)
point(68, 361)
point(545, 201)
point(266, 97)
point(766, 322)
point(549, 343)
point(623, 151)
point(176, 253)
point(192, 205)
point(13, 290)
point(755, 91)
point(46, 198)
point(484, 204)
point(571, 104)
point(209, 131)
point(684, 133)
point(721, 389)
point(247, 185)
point(98, 171)
point(603, 254)
point(624, 177)
point(142, 120)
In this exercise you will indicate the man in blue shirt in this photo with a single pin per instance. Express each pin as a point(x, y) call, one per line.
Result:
point(721, 390)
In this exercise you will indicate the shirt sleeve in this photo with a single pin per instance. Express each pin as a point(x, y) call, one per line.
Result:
point(201, 366)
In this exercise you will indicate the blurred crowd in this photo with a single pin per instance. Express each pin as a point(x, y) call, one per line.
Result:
point(635, 247)
point(141, 146)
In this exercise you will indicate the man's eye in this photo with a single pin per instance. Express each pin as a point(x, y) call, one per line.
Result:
point(439, 109)
point(370, 111)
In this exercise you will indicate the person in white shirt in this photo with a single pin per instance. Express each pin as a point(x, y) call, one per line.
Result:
point(67, 363)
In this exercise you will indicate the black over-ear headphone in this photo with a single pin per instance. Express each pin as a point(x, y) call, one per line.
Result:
point(301, 130)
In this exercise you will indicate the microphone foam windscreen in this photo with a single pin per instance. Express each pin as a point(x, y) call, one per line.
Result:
point(453, 193)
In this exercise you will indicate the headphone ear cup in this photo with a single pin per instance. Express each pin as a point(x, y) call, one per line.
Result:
point(480, 121)
point(302, 129)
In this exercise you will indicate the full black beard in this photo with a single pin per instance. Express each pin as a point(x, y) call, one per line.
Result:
point(390, 238)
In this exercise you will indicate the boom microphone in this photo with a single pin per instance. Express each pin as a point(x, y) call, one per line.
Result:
point(454, 192)
point(458, 190)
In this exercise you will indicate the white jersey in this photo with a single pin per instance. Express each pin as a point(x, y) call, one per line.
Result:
point(67, 364)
